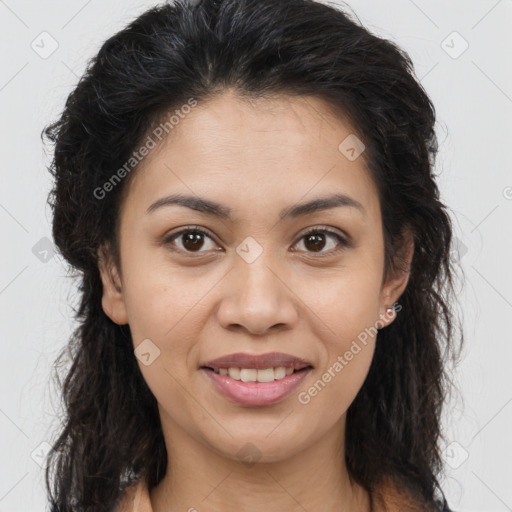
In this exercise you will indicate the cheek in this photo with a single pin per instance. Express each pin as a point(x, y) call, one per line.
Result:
point(167, 307)
point(344, 302)
point(346, 308)
point(341, 374)
point(159, 299)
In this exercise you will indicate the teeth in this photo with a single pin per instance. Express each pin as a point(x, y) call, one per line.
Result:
point(255, 375)
point(250, 375)
point(234, 373)
point(281, 372)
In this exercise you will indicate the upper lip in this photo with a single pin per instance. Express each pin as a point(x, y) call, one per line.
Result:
point(257, 361)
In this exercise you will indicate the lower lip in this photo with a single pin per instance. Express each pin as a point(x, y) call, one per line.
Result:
point(256, 393)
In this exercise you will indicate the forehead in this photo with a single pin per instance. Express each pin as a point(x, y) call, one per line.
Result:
point(255, 151)
point(275, 124)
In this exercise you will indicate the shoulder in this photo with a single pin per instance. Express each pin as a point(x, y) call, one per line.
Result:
point(135, 498)
point(389, 497)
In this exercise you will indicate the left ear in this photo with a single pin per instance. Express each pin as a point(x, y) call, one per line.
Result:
point(397, 279)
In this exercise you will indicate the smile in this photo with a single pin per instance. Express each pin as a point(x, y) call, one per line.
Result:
point(256, 387)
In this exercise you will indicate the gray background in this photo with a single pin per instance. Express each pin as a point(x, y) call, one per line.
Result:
point(471, 89)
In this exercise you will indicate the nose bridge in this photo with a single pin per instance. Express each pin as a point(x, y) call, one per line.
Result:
point(257, 297)
point(256, 267)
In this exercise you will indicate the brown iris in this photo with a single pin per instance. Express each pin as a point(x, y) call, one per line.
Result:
point(315, 241)
point(192, 240)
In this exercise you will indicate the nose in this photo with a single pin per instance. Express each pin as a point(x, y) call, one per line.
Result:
point(258, 298)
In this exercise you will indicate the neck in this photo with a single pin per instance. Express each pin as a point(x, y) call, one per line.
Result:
point(199, 478)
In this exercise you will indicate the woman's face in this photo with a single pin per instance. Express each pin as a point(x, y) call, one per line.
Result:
point(256, 282)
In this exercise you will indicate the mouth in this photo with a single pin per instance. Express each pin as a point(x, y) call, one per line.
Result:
point(256, 379)
point(251, 387)
point(244, 365)
point(257, 374)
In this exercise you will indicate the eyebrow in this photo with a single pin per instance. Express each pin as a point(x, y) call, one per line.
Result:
point(215, 209)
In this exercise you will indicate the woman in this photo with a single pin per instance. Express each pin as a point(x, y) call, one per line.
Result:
point(247, 191)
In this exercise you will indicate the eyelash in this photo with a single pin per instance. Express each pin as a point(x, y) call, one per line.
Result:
point(343, 243)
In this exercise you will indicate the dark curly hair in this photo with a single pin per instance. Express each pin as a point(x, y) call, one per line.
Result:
point(111, 434)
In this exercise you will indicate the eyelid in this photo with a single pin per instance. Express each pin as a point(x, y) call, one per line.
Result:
point(344, 239)
point(329, 229)
point(167, 239)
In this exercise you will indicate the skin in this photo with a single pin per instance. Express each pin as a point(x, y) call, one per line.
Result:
point(255, 157)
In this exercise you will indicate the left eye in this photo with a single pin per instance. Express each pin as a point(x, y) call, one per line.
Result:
point(192, 240)
point(316, 238)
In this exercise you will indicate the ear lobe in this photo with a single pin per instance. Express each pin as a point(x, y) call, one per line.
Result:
point(397, 281)
point(112, 300)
